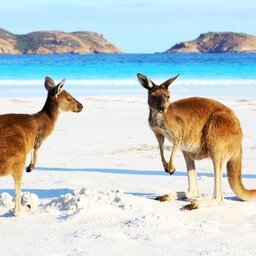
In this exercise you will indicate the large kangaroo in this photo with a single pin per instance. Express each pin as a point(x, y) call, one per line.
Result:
point(201, 128)
point(24, 133)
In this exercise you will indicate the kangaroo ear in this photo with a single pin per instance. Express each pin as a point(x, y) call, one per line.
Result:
point(58, 88)
point(169, 81)
point(48, 83)
point(145, 82)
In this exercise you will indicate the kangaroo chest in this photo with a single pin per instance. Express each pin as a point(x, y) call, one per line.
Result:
point(157, 124)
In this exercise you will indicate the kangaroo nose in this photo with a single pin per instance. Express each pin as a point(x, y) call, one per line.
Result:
point(161, 108)
point(79, 107)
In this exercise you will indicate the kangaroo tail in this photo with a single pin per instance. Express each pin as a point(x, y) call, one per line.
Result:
point(234, 166)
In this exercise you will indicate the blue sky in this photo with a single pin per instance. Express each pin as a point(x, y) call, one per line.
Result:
point(135, 26)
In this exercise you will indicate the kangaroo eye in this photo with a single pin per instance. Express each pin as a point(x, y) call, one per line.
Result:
point(68, 99)
point(168, 97)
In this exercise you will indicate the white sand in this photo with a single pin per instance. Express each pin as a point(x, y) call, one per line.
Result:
point(92, 191)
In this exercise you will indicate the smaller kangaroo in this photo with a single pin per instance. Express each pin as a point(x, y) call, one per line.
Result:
point(24, 133)
point(201, 128)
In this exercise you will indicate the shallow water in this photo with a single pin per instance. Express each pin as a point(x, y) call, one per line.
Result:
point(115, 74)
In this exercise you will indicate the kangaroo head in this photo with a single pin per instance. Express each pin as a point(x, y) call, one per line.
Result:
point(64, 100)
point(158, 95)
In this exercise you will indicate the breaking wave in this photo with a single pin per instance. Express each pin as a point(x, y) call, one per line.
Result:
point(130, 82)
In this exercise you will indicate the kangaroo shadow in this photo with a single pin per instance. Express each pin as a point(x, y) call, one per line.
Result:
point(41, 193)
point(105, 170)
point(53, 193)
point(136, 172)
point(146, 173)
point(145, 195)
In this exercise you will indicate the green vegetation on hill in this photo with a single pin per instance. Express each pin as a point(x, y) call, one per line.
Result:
point(41, 42)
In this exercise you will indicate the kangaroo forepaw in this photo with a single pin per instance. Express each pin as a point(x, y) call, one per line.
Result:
point(170, 171)
point(30, 168)
point(169, 168)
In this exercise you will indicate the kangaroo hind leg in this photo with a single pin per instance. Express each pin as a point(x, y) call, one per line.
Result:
point(18, 208)
point(193, 191)
point(217, 197)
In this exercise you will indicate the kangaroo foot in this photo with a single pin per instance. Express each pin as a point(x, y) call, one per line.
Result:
point(24, 209)
point(162, 198)
point(191, 206)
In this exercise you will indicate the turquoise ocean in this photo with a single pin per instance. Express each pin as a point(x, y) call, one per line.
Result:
point(226, 74)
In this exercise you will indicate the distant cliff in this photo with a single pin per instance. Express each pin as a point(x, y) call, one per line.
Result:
point(217, 42)
point(47, 42)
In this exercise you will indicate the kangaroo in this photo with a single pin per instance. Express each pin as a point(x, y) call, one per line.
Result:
point(24, 133)
point(201, 128)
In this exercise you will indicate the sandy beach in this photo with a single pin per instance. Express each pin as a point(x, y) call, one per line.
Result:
point(92, 190)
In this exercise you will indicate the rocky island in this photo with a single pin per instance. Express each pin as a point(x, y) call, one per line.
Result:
point(50, 42)
point(217, 42)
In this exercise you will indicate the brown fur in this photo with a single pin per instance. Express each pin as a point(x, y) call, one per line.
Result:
point(24, 133)
point(201, 128)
